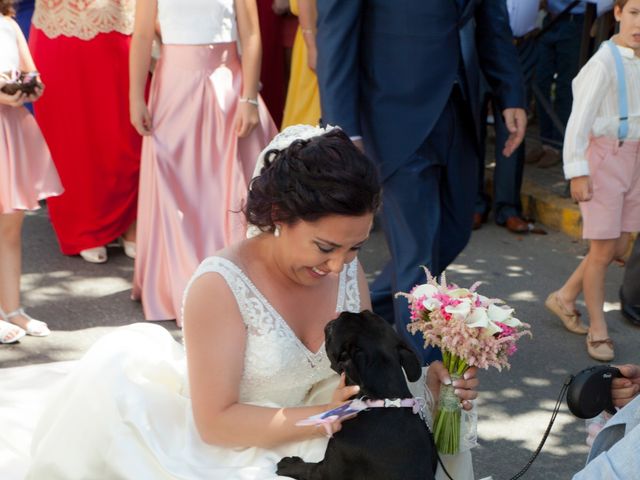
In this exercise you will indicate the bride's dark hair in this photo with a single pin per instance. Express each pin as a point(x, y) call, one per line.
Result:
point(310, 179)
point(6, 8)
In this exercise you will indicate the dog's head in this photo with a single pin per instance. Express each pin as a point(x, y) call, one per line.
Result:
point(370, 352)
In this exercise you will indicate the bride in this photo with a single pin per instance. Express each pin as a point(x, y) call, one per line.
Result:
point(139, 406)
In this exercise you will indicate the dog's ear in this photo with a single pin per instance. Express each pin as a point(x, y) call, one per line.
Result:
point(410, 362)
point(349, 363)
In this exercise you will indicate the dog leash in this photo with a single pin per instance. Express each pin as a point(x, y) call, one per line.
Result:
point(554, 414)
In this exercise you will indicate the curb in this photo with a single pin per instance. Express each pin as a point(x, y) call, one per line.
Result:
point(550, 209)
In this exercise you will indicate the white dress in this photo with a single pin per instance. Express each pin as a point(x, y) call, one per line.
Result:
point(125, 411)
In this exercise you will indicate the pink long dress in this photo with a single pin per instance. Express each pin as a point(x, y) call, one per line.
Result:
point(195, 170)
point(27, 173)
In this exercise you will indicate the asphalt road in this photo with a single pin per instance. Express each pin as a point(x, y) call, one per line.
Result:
point(81, 302)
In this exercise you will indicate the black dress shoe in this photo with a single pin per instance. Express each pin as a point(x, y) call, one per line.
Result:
point(630, 312)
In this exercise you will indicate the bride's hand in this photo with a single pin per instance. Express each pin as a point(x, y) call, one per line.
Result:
point(465, 388)
point(341, 394)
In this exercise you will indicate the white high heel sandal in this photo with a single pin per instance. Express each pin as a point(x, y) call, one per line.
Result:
point(34, 328)
point(7, 329)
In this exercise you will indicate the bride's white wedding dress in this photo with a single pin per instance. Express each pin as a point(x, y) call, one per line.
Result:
point(124, 412)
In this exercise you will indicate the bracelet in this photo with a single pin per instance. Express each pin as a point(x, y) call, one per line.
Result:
point(308, 30)
point(252, 101)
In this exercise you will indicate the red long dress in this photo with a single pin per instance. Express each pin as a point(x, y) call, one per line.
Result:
point(84, 116)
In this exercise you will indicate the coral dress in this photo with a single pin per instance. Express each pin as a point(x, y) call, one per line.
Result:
point(195, 170)
point(27, 173)
point(303, 95)
point(82, 52)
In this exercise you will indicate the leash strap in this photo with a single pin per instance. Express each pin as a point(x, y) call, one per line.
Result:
point(623, 105)
point(554, 414)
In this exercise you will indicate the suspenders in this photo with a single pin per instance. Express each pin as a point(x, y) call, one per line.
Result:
point(623, 106)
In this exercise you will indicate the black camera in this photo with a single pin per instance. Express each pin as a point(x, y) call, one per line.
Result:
point(589, 392)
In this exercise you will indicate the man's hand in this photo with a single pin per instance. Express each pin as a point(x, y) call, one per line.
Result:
point(625, 389)
point(516, 121)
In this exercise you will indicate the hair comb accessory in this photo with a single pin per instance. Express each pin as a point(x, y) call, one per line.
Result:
point(280, 142)
point(287, 137)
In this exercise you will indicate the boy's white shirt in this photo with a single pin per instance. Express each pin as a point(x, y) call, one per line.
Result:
point(595, 111)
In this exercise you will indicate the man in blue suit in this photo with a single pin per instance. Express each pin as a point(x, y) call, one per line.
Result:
point(402, 78)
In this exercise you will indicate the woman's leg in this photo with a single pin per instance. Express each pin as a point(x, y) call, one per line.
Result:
point(11, 263)
point(601, 254)
point(10, 272)
point(130, 234)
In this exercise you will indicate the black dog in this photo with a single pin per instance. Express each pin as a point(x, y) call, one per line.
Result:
point(380, 443)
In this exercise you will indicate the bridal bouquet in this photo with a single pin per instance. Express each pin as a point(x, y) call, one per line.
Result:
point(470, 330)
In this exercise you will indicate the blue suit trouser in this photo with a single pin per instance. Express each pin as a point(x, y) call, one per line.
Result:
point(427, 213)
point(507, 176)
point(558, 62)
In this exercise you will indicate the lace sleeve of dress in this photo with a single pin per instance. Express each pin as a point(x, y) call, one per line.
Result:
point(349, 291)
point(468, 418)
point(255, 311)
point(83, 19)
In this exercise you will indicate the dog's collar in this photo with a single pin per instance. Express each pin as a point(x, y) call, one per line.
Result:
point(353, 407)
point(415, 403)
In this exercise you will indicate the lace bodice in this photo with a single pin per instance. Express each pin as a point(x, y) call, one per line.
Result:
point(278, 367)
point(83, 19)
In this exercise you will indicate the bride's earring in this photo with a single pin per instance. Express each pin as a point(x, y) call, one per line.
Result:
point(276, 231)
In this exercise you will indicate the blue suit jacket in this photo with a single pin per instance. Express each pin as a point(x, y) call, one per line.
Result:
point(386, 68)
